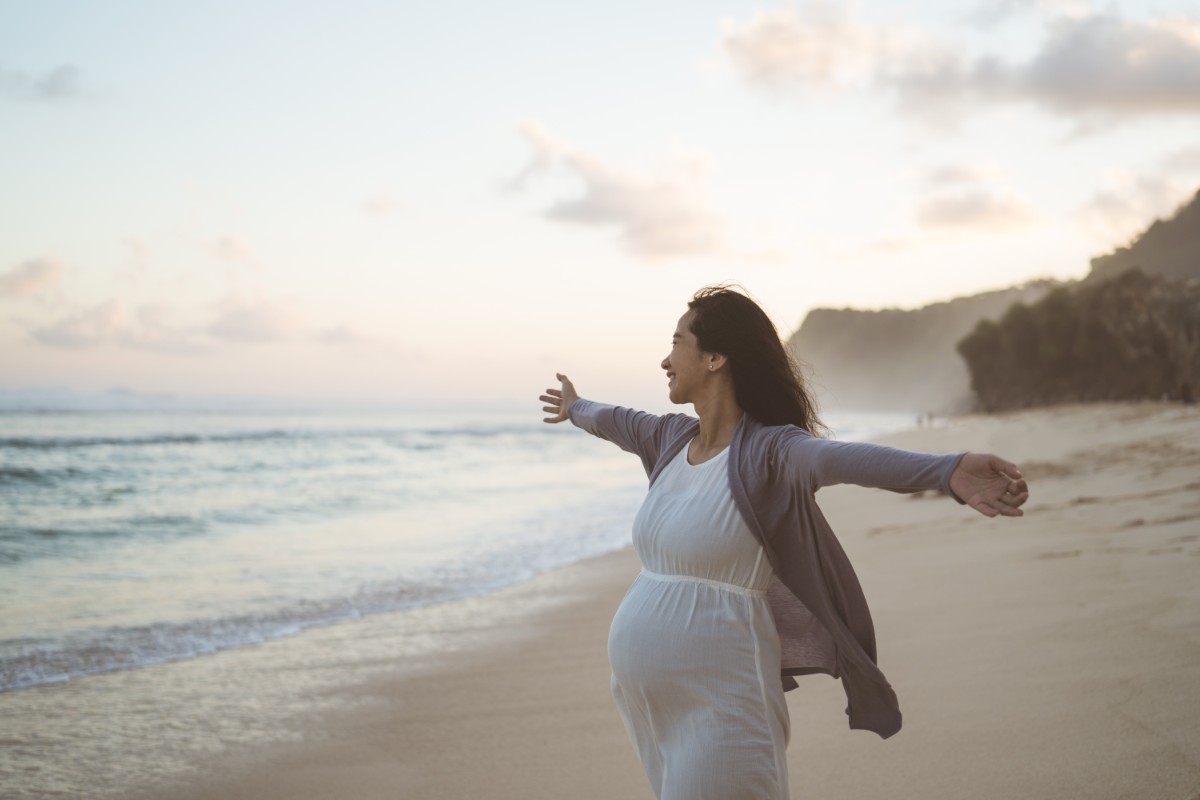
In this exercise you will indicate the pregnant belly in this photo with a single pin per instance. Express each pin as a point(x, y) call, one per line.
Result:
point(674, 633)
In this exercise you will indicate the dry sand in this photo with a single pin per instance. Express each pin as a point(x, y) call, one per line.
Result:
point(1052, 656)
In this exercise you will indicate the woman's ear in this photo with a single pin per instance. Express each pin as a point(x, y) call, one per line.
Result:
point(715, 361)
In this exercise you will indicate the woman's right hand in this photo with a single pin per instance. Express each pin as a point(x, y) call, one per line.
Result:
point(558, 401)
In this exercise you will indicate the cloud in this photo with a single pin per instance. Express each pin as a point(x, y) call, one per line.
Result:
point(256, 321)
point(955, 174)
point(162, 327)
point(106, 322)
point(59, 84)
point(993, 11)
point(341, 334)
point(546, 152)
point(659, 216)
point(139, 253)
point(1098, 66)
point(1121, 66)
point(1128, 203)
point(970, 197)
point(350, 336)
point(31, 277)
point(159, 330)
point(154, 327)
point(1186, 159)
point(380, 205)
point(976, 209)
point(786, 48)
point(232, 250)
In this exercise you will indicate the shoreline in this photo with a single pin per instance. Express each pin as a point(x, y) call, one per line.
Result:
point(1053, 655)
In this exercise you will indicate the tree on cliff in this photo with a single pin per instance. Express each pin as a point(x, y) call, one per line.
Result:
point(1132, 337)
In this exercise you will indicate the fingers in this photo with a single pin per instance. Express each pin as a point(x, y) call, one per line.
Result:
point(984, 508)
point(1014, 494)
point(1006, 504)
point(1008, 508)
point(554, 400)
point(997, 508)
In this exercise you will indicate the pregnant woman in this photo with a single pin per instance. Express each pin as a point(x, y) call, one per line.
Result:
point(743, 584)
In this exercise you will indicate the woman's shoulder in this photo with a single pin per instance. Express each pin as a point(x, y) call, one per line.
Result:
point(782, 450)
point(677, 424)
point(775, 435)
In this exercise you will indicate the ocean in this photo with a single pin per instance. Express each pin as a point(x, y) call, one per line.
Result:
point(134, 538)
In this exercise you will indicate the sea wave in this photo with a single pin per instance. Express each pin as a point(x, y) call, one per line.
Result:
point(35, 662)
point(49, 443)
point(418, 438)
point(30, 475)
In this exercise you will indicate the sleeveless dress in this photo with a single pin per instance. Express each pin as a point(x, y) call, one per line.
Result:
point(694, 651)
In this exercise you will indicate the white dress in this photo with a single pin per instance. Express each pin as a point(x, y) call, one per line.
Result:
point(694, 651)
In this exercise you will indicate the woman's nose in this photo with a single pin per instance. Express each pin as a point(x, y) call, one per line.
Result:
point(665, 364)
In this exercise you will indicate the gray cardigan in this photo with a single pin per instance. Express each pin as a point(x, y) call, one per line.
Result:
point(820, 612)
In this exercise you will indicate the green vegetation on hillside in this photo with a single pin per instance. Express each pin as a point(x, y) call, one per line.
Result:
point(1133, 337)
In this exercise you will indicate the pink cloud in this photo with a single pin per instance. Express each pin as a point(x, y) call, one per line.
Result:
point(233, 250)
point(256, 321)
point(657, 216)
point(380, 205)
point(31, 277)
point(100, 324)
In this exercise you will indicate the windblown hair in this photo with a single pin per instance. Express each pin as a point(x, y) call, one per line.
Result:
point(766, 380)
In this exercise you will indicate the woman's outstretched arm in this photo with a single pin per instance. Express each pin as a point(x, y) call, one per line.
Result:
point(985, 482)
point(632, 430)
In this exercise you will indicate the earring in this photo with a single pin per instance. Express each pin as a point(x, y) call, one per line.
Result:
point(710, 366)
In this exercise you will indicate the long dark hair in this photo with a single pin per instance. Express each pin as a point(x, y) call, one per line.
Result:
point(766, 380)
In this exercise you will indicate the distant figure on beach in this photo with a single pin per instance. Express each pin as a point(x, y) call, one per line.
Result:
point(743, 583)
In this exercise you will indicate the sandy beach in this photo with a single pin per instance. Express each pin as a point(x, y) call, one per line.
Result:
point(1052, 656)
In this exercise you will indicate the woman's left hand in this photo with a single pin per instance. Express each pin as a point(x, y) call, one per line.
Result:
point(990, 485)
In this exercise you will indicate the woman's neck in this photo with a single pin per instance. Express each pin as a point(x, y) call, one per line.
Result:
point(719, 415)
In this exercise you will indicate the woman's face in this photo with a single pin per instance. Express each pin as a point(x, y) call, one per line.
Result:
point(685, 364)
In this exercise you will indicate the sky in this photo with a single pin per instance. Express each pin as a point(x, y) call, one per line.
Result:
point(444, 204)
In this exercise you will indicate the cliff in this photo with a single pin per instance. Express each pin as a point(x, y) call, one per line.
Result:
point(1170, 248)
point(897, 360)
point(910, 361)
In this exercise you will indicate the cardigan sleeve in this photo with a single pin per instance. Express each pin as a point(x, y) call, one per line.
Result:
point(815, 463)
point(633, 431)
